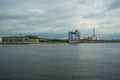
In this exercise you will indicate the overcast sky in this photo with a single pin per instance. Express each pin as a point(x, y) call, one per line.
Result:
point(60, 16)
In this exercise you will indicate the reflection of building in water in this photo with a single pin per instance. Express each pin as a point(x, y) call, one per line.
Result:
point(74, 36)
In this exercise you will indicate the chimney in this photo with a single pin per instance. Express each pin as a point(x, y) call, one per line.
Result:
point(93, 31)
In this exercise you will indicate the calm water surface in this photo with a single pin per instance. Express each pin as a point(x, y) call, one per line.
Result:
point(60, 62)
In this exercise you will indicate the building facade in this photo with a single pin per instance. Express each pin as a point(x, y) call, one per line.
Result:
point(14, 40)
point(33, 39)
point(20, 40)
point(74, 36)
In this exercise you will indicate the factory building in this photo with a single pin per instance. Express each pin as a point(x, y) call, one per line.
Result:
point(94, 36)
point(74, 36)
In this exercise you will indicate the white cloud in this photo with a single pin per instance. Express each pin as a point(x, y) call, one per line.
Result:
point(59, 16)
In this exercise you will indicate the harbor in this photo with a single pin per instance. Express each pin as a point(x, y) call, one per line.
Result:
point(73, 37)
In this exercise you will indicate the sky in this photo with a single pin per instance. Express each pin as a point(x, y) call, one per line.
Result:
point(54, 18)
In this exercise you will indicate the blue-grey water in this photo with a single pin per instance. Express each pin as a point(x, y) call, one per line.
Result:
point(60, 62)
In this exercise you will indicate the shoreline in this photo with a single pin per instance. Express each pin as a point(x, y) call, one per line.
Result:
point(104, 41)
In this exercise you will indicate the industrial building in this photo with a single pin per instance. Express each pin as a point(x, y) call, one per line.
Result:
point(74, 36)
point(94, 36)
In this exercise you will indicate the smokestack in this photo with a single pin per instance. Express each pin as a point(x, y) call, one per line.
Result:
point(20, 35)
point(93, 31)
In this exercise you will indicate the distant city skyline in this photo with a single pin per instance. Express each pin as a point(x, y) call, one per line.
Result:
point(54, 18)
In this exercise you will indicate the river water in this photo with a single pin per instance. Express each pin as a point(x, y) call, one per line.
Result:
point(86, 61)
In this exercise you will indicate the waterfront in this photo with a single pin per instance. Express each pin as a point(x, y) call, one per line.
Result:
point(87, 61)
